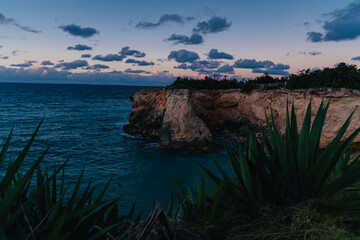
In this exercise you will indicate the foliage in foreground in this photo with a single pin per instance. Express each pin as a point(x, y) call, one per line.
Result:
point(281, 172)
point(38, 209)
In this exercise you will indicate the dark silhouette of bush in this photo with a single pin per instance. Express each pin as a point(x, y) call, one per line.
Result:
point(343, 75)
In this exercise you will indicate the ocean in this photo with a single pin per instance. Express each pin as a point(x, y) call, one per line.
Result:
point(85, 122)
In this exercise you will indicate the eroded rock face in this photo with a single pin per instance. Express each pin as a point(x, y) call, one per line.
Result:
point(172, 115)
point(181, 128)
point(147, 112)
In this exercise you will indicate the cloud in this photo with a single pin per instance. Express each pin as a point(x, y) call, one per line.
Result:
point(166, 18)
point(182, 66)
point(314, 36)
point(72, 65)
point(344, 24)
point(23, 65)
point(356, 58)
point(226, 69)
point(139, 63)
point(86, 55)
point(252, 64)
point(192, 40)
point(215, 54)
point(4, 57)
point(52, 75)
point(76, 30)
point(46, 63)
point(79, 47)
point(136, 71)
point(109, 57)
point(214, 25)
point(199, 65)
point(271, 71)
point(125, 51)
point(314, 53)
point(10, 21)
point(183, 56)
point(210, 64)
point(97, 67)
point(266, 66)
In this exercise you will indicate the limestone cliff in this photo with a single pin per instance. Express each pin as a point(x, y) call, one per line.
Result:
point(184, 119)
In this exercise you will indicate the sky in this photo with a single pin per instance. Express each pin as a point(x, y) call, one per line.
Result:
point(150, 43)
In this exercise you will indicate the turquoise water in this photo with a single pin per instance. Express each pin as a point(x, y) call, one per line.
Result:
point(85, 122)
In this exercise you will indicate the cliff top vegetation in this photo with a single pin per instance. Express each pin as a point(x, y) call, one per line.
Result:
point(342, 75)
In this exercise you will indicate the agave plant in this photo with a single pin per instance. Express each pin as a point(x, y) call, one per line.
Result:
point(290, 168)
point(38, 210)
point(198, 206)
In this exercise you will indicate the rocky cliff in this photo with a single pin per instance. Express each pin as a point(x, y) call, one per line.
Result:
point(189, 120)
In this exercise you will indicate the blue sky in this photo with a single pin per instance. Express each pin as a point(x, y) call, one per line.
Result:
point(152, 42)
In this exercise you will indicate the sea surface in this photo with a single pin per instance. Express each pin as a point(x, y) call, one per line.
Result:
point(85, 122)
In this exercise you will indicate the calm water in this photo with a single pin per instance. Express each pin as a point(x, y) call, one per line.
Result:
point(86, 122)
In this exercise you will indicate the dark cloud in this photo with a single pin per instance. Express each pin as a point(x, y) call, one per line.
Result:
point(60, 61)
point(109, 57)
point(226, 69)
point(271, 71)
point(183, 56)
point(52, 75)
point(199, 65)
point(79, 47)
point(166, 18)
point(23, 65)
point(205, 71)
point(86, 55)
point(210, 64)
point(215, 54)
point(125, 51)
point(314, 36)
point(182, 66)
point(72, 65)
point(252, 64)
point(14, 52)
point(136, 71)
point(4, 57)
point(10, 21)
point(46, 63)
point(97, 67)
point(356, 58)
point(192, 40)
point(266, 66)
point(344, 24)
point(314, 53)
point(214, 25)
point(280, 66)
point(139, 63)
point(77, 30)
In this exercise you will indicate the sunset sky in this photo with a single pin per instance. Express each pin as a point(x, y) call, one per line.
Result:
point(152, 42)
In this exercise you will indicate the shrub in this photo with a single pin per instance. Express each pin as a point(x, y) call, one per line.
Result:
point(281, 171)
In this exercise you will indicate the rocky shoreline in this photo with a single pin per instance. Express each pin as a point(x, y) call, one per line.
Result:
point(183, 119)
